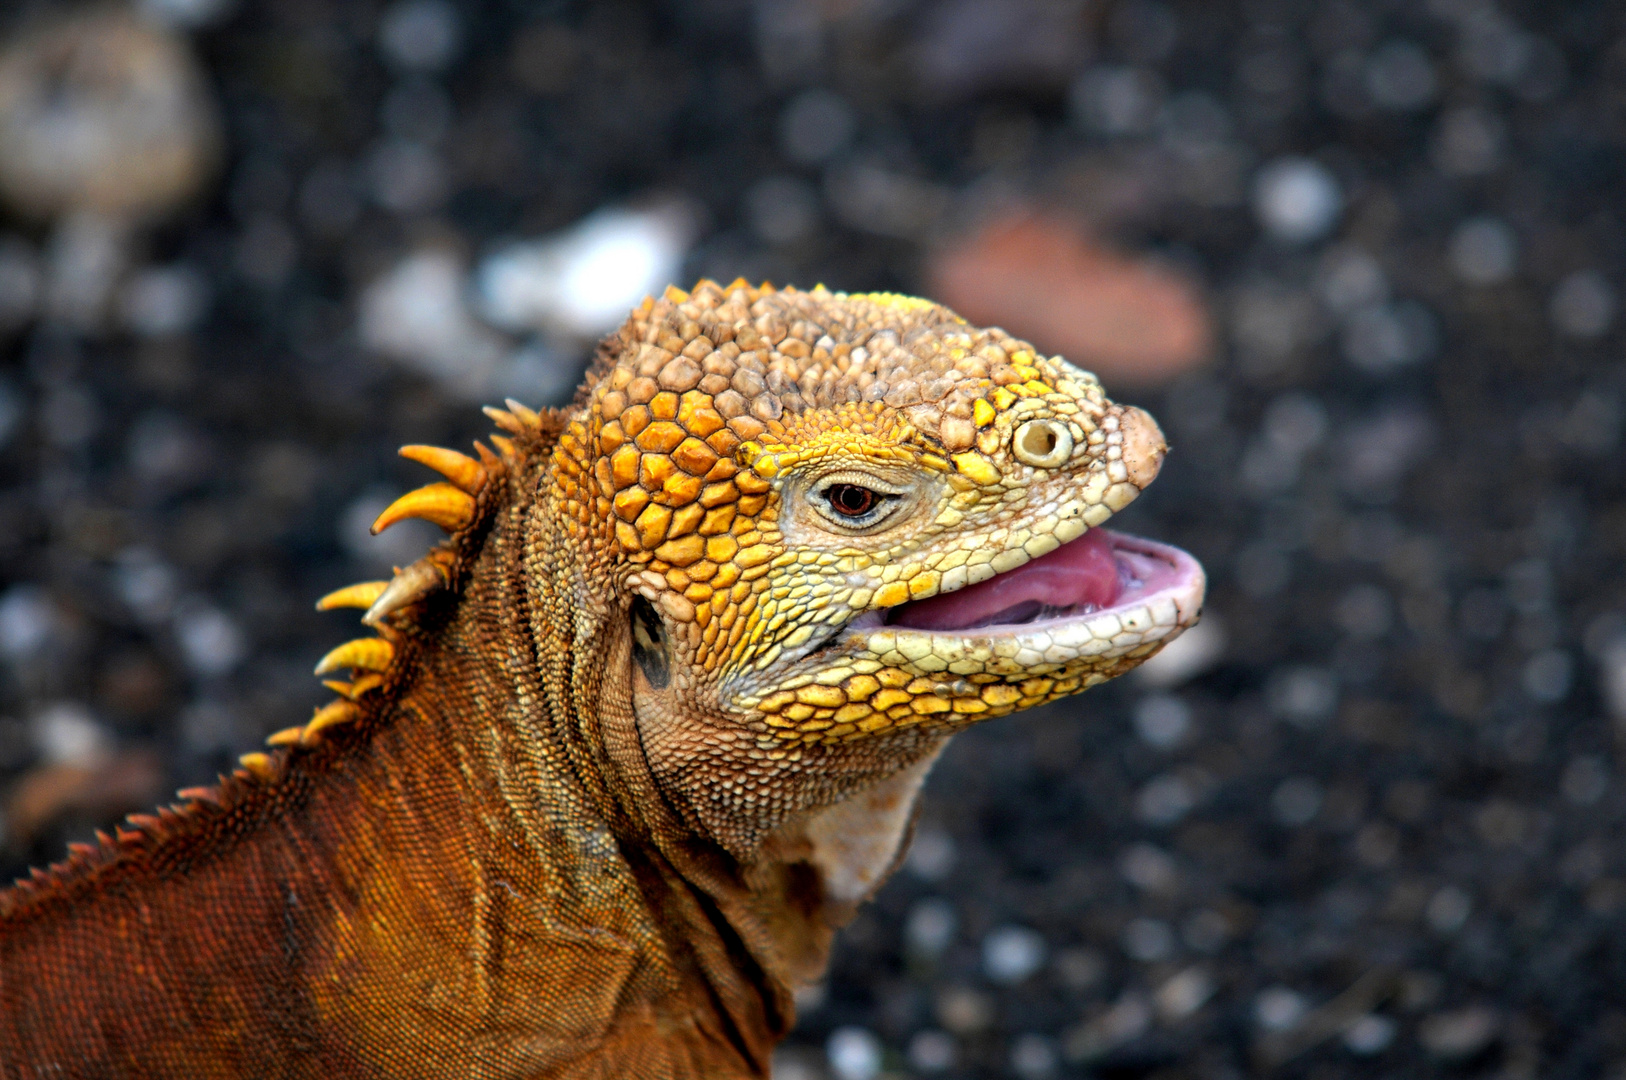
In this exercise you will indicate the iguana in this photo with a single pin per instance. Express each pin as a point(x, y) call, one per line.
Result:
point(641, 734)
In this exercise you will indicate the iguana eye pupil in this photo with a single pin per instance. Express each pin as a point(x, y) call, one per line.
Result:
point(850, 500)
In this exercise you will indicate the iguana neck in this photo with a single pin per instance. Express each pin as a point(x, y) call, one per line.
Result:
point(482, 858)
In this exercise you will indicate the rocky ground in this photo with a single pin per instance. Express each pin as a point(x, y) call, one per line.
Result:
point(1362, 259)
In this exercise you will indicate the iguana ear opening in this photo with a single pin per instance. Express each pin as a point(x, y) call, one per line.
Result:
point(649, 645)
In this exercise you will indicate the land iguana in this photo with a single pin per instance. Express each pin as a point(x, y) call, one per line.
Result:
point(631, 745)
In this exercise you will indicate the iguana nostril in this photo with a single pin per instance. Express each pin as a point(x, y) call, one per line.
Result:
point(1043, 444)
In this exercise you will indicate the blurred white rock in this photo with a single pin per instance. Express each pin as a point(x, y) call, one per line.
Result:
point(211, 642)
point(1297, 200)
point(185, 14)
point(854, 1053)
point(1583, 305)
point(581, 282)
point(929, 928)
point(164, 300)
point(1484, 251)
point(1278, 1008)
point(103, 112)
point(1187, 656)
point(1184, 993)
point(87, 254)
point(420, 35)
point(65, 733)
point(1012, 953)
point(417, 314)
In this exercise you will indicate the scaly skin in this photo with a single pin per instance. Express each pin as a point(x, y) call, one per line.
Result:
point(633, 742)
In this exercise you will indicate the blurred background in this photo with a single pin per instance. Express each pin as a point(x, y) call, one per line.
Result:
point(1363, 260)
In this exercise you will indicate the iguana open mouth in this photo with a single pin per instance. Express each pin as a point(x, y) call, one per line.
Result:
point(1101, 571)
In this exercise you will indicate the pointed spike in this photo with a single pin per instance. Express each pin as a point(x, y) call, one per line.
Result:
point(331, 715)
point(200, 794)
point(365, 683)
point(505, 420)
point(674, 294)
point(361, 595)
point(506, 448)
point(288, 736)
point(103, 839)
point(81, 849)
point(490, 461)
point(737, 283)
point(462, 470)
point(145, 822)
point(411, 585)
point(449, 507)
point(367, 654)
point(338, 686)
point(525, 413)
point(259, 766)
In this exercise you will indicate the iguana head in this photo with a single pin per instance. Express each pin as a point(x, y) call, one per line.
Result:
point(843, 526)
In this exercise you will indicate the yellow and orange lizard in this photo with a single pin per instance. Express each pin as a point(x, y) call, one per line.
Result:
point(635, 741)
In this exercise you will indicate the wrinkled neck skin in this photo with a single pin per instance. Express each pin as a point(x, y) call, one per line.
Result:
point(746, 898)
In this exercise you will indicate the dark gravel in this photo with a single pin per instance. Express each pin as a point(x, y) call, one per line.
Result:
point(1375, 835)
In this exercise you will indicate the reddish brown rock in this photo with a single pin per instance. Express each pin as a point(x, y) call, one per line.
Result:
point(1044, 278)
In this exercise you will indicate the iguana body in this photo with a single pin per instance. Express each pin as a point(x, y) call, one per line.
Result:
point(641, 735)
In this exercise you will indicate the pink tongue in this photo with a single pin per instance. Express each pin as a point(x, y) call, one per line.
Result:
point(1081, 572)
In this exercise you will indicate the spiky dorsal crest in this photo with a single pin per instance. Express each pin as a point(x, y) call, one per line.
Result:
point(464, 505)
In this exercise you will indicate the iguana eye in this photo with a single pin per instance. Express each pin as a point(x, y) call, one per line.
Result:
point(854, 501)
point(850, 500)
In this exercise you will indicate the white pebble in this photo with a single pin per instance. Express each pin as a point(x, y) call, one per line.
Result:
point(1184, 993)
point(415, 314)
point(27, 622)
point(1278, 1008)
point(932, 1051)
point(1484, 251)
point(931, 857)
point(583, 280)
point(1305, 696)
point(1296, 800)
point(1148, 940)
point(1297, 200)
point(1583, 305)
point(929, 928)
point(420, 34)
point(1164, 800)
point(1400, 76)
point(854, 1053)
point(164, 300)
point(1194, 652)
point(1369, 1034)
point(211, 641)
point(1033, 1057)
point(65, 733)
point(1162, 720)
point(1148, 867)
point(1448, 909)
point(1010, 954)
point(1459, 1034)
